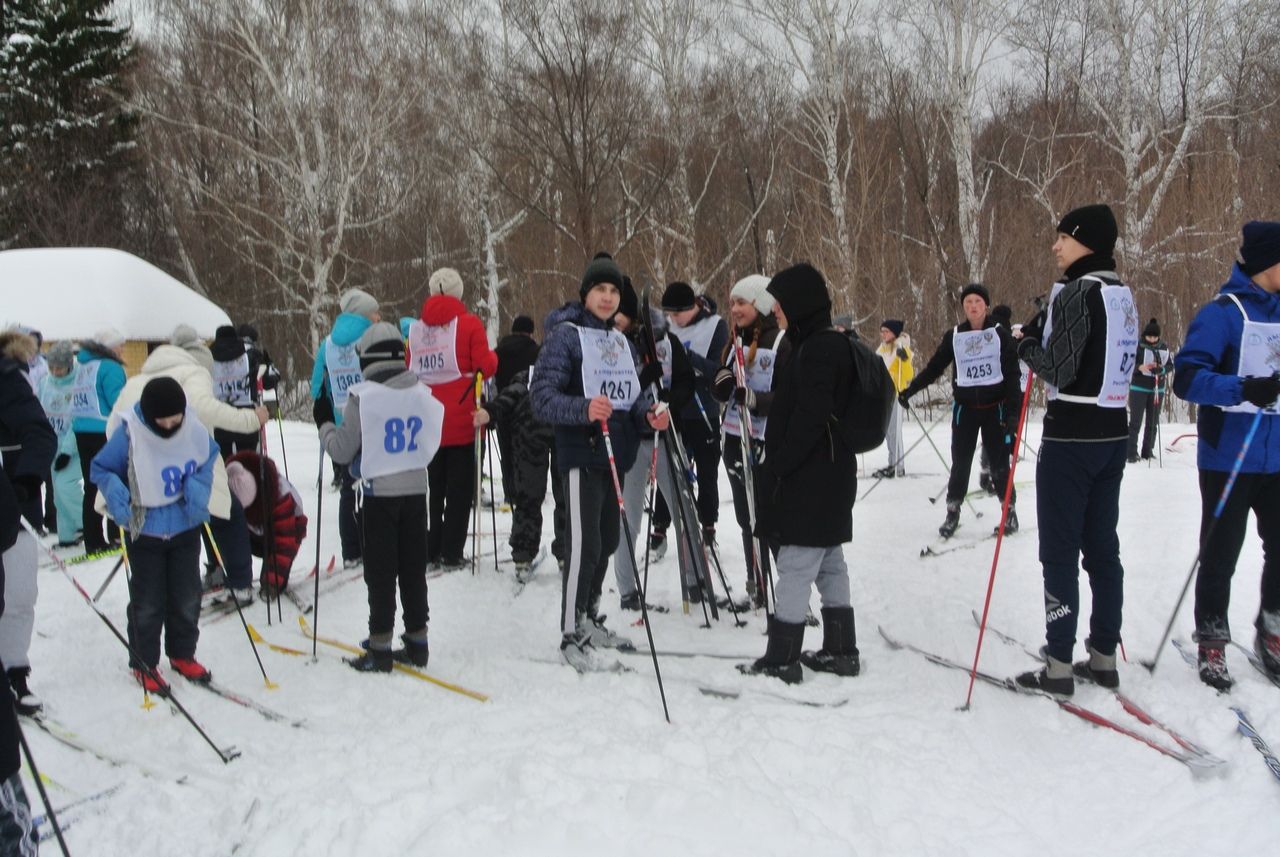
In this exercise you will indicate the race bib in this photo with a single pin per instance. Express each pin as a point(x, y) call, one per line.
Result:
point(399, 428)
point(162, 464)
point(55, 397)
point(977, 354)
point(696, 338)
point(231, 381)
point(607, 367)
point(1259, 356)
point(84, 392)
point(343, 365)
point(433, 352)
point(759, 378)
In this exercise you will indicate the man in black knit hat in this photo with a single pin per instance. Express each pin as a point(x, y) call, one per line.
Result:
point(1082, 346)
point(1147, 389)
point(985, 377)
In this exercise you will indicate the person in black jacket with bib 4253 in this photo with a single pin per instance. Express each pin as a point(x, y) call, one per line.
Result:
point(809, 480)
point(987, 399)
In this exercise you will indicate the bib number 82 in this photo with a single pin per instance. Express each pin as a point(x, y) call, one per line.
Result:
point(172, 477)
point(401, 435)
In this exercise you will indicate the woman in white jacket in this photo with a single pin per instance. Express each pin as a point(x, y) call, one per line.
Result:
point(187, 360)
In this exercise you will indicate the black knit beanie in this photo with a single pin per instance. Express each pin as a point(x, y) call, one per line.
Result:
point(678, 297)
point(1003, 314)
point(601, 269)
point(1094, 226)
point(522, 324)
point(162, 397)
point(630, 303)
point(1260, 248)
point(893, 325)
point(1152, 328)
point(976, 289)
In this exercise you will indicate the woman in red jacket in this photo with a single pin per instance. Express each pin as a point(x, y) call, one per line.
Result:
point(447, 347)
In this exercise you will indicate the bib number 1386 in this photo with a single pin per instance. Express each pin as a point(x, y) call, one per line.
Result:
point(401, 434)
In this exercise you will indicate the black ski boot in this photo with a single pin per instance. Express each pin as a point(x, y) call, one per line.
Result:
point(839, 652)
point(1212, 662)
point(658, 544)
point(952, 522)
point(372, 661)
point(1266, 643)
point(415, 652)
point(1055, 678)
point(1099, 669)
point(885, 473)
point(782, 657)
point(1010, 523)
point(26, 702)
point(986, 483)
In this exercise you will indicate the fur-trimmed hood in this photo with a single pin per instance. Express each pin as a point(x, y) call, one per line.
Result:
point(18, 346)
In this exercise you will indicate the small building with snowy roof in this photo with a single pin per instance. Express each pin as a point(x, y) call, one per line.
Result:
point(71, 293)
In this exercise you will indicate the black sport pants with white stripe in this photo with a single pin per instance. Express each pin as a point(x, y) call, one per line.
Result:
point(591, 536)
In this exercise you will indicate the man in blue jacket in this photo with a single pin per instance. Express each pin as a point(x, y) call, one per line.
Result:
point(1229, 366)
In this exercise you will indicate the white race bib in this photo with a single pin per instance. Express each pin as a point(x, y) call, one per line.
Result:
point(977, 354)
point(663, 349)
point(433, 352)
point(607, 367)
point(1259, 356)
point(759, 378)
point(84, 391)
point(697, 337)
point(399, 428)
point(55, 398)
point(160, 464)
point(1121, 347)
point(343, 365)
point(231, 381)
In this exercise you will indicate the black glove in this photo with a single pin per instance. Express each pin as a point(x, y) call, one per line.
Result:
point(746, 397)
point(1034, 329)
point(61, 461)
point(650, 374)
point(322, 411)
point(1260, 391)
point(723, 386)
point(902, 354)
point(26, 487)
point(904, 400)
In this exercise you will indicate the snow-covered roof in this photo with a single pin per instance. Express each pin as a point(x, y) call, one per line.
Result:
point(73, 292)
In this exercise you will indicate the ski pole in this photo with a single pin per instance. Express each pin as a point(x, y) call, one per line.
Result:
point(920, 422)
point(1208, 534)
point(901, 458)
point(653, 498)
point(217, 552)
point(44, 795)
point(631, 546)
point(103, 588)
point(475, 511)
point(493, 505)
point(225, 755)
point(684, 481)
point(995, 559)
point(267, 517)
point(746, 436)
point(315, 604)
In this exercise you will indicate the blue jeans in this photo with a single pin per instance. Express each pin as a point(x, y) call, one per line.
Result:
point(1078, 506)
point(164, 591)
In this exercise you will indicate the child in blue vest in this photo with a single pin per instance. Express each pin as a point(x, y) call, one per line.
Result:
point(156, 474)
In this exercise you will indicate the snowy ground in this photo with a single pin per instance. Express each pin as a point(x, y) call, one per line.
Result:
point(557, 763)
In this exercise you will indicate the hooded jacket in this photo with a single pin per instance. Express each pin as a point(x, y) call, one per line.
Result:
point(26, 437)
point(111, 377)
point(900, 369)
point(179, 364)
point(705, 367)
point(347, 329)
point(281, 504)
point(1206, 373)
point(474, 355)
point(558, 399)
point(516, 353)
point(809, 468)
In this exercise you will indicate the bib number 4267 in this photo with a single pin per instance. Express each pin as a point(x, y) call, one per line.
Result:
point(401, 435)
point(616, 390)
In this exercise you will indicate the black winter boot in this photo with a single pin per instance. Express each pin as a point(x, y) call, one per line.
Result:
point(1056, 678)
point(415, 652)
point(26, 702)
point(1212, 663)
point(948, 528)
point(372, 661)
point(839, 652)
point(1099, 669)
point(782, 657)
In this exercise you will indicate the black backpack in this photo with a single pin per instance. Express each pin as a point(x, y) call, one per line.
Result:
point(871, 397)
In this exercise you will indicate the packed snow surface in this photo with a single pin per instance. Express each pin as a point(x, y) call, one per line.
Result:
point(561, 764)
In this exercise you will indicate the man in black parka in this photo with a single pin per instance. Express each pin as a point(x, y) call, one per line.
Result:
point(810, 481)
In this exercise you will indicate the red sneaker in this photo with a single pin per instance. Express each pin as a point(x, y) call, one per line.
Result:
point(154, 685)
point(191, 669)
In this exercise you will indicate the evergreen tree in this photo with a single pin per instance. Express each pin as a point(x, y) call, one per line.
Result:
point(66, 133)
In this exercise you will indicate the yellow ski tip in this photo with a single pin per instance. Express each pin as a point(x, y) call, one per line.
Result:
point(271, 685)
point(253, 633)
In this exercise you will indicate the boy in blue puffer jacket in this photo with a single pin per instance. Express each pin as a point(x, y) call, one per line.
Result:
point(586, 375)
point(156, 475)
point(1229, 366)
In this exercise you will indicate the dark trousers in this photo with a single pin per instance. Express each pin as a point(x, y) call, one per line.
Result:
point(231, 442)
point(348, 517)
point(559, 515)
point(1261, 493)
point(1142, 404)
point(1078, 507)
point(451, 477)
point(592, 535)
point(89, 444)
point(51, 510)
point(529, 488)
point(17, 829)
point(966, 424)
point(395, 540)
point(738, 485)
point(232, 537)
point(506, 460)
point(702, 447)
point(164, 591)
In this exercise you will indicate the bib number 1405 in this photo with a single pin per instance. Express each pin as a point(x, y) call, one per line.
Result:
point(401, 434)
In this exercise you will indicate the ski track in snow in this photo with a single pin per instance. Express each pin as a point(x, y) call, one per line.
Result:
point(557, 763)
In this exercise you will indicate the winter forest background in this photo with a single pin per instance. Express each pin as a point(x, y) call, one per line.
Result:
point(271, 153)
